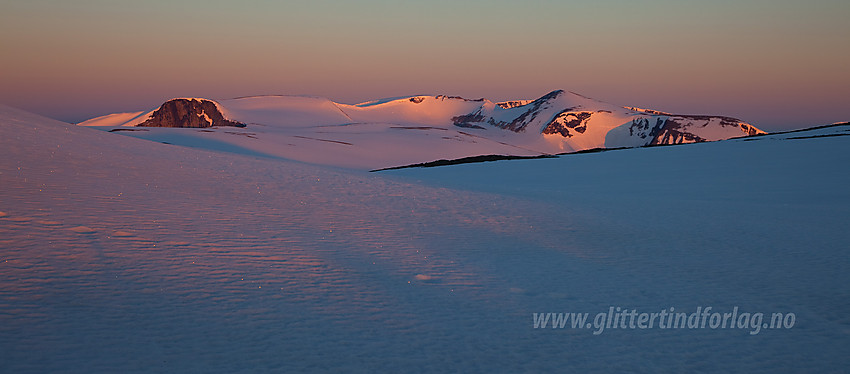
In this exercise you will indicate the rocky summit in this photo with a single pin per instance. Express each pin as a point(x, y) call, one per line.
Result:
point(192, 113)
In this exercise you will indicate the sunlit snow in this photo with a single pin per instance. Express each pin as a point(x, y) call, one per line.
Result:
point(126, 255)
point(415, 129)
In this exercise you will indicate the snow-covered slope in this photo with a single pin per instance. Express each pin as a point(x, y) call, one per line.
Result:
point(414, 129)
point(130, 256)
point(116, 119)
point(573, 122)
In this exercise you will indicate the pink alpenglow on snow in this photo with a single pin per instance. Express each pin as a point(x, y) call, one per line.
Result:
point(413, 129)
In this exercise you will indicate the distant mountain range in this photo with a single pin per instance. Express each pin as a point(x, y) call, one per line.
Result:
point(413, 129)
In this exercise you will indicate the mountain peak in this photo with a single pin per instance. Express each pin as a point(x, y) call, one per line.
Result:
point(188, 112)
point(551, 95)
point(419, 128)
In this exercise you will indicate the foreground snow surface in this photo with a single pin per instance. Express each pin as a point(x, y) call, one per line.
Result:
point(124, 255)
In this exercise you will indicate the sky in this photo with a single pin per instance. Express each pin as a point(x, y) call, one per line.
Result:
point(778, 64)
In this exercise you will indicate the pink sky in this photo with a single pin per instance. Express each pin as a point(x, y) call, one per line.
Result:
point(777, 64)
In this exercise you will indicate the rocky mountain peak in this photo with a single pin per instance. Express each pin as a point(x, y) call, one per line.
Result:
point(193, 113)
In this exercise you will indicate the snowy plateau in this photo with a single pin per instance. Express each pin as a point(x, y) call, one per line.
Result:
point(257, 239)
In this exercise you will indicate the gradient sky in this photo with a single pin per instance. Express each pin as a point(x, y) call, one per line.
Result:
point(778, 64)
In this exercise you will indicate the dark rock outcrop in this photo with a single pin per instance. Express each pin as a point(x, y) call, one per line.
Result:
point(469, 120)
point(512, 103)
point(191, 113)
point(445, 97)
point(672, 131)
point(566, 120)
point(676, 129)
